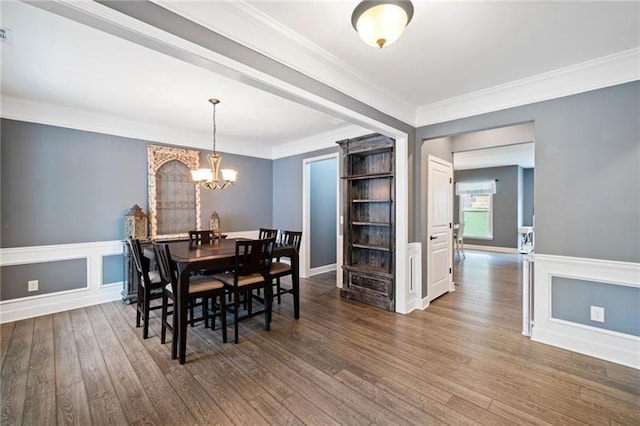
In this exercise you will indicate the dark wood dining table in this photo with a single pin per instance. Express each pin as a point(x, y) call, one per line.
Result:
point(219, 255)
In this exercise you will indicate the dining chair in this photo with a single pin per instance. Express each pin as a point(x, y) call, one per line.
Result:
point(149, 286)
point(199, 287)
point(201, 237)
point(267, 233)
point(251, 271)
point(279, 269)
point(458, 241)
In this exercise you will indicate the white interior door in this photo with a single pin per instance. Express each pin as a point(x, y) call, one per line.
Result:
point(439, 219)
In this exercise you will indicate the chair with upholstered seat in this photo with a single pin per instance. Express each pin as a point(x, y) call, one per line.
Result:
point(199, 287)
point(281, 269)
point(251, 271)
point(149, 286)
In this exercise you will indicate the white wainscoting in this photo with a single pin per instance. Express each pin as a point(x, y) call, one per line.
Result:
point(95, 292)
point(414, 263)
point(604, 344)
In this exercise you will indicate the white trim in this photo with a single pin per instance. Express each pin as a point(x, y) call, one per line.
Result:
point(425, 303)
point(608, 345)
point(621, 67)
point(317, 142)
point(305, 255)
point(58, 115)
point(41, 304)
point(414, 257)
point(401, 155)
point(52, 253)
point(322, 269)
point(491, 248)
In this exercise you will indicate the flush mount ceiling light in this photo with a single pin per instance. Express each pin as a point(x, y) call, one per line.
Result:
point(209, 178)
point(380, 23)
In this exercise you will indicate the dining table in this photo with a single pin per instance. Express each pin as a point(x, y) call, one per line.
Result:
point(217, 255)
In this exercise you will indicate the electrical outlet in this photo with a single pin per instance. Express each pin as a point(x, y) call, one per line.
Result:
point(597, 313)
point(32, 285)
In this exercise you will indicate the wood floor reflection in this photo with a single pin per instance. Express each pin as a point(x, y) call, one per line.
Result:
point(461, 361)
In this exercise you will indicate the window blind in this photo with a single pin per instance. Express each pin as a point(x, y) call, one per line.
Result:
point(486, 187)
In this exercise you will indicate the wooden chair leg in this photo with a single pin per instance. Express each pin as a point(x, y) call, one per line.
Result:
point(236, 308)
point(279, 290)
point(205, 311)
point(145, 315)
point(223, 318)
point(174, 337)
point(163, 316)
point(139, 305)
point(268, 300)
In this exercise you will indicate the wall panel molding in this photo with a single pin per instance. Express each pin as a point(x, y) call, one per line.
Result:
point(600, 343)
point(41, 304)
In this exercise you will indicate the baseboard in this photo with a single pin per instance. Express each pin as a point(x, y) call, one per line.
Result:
point(600, 343)
point(424, 304)
point(491, 248)
point(29, 307)
point(322, 269)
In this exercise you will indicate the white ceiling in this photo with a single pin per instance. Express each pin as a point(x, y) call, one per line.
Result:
point(510, 155)
point(451, 52)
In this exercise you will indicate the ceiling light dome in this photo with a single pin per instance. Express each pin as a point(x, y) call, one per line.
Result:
point(380, 23)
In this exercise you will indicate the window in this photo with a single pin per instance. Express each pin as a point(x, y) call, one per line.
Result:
point(477, 215)
point(476, 208)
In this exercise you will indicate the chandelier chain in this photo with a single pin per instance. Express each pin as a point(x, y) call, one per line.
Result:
point(214, 128)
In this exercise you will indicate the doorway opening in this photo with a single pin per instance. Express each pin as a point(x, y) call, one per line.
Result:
point(321, 248)
point(493, 196)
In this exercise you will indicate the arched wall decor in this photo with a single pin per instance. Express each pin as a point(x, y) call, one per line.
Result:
point(158, 156)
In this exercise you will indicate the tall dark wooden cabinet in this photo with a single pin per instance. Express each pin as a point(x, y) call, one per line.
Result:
point(368, 176)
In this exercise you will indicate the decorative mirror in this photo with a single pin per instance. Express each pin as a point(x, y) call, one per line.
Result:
point(174, 200)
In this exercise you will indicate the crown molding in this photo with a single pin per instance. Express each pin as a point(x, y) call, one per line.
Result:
point(317, 142)
point(72, 118)
point(611, 70)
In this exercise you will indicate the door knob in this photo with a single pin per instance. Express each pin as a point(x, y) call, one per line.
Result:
point(433, 238)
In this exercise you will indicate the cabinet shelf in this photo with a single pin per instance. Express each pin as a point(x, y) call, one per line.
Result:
point(369, 176)
point(370, 201)
point(370, 247)
point(371, 224)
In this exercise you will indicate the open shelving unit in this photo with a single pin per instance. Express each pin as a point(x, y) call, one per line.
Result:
point(369, 234)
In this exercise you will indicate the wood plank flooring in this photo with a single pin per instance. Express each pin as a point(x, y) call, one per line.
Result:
point(462, 361)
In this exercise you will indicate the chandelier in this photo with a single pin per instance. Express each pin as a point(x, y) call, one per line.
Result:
point(380, 23)
point(209, 178)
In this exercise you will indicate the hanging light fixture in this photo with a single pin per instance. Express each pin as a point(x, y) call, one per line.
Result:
point(380, 23)
point(209, 178)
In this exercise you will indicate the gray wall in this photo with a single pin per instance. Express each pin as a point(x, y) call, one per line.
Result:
point(52, 276)
point(586, 151)
point(61, 186)
point(69, 186)
point(322, 208)
point(505, 203)
point(527, 197)
point(572, 300)
point(287, 193)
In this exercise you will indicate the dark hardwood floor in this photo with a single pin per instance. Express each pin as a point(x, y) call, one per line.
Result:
point(462, 361)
